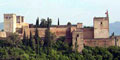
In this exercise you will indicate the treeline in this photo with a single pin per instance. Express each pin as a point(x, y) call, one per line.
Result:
point(14, 49)
point(47, 22)
point(44, 22)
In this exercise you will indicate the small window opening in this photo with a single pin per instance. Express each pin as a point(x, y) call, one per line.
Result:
point(101, 23)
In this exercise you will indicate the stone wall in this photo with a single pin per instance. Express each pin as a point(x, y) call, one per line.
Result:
point(88, 33)
point(2, 34)
point(104, 42)
point(58, 31)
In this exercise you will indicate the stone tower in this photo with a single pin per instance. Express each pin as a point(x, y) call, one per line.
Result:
point(10, 23)
point(77, 38)
point(101, 26)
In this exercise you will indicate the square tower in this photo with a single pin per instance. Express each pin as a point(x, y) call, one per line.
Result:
point(101, 27)
point(77, 40)
point(10, 23)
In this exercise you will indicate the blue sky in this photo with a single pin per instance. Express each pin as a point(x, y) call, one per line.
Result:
point(67, 10)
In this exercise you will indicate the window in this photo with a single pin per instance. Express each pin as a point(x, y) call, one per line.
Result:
point(101, 23)
point(77, 35)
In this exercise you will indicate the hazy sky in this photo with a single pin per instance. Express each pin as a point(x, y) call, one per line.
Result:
point(67, 10)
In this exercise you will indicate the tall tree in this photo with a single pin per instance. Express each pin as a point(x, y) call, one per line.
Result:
point(32, 41)
point(43, 23)
point(36, 35)
point(24, 39)
point(58, 22)
point(48, 23)
point(47, 41)
point(37, 22)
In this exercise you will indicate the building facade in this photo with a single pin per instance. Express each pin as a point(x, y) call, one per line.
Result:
point(98, 35)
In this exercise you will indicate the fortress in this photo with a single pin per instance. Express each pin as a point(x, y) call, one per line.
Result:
point(98, 35)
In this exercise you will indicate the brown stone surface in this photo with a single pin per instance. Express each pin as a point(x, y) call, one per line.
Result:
point(104, 42)
point(101, 27)
point(88, 33)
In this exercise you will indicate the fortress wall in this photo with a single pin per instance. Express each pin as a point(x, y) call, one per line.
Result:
point(73, 28)
point(99, 42)
point(2, 34)
point(88, 33)
point(118, 40)
point(41, 31)
point(58, 31)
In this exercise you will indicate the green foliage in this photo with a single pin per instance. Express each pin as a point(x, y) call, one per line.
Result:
point(69, 24)
point(37, 22)
point(13, 50)
point(46, 23)
point(31, 41)
point(25, 41)
point(48, 38)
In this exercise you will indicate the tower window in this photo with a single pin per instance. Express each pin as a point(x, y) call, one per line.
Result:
point(77, 35)
point(101, 23)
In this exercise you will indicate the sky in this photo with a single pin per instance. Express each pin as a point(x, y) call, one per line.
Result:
point(73, 11)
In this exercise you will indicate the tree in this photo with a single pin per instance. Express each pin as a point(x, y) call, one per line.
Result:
point(37, 22)
point(48, 23)
point(36, 35)
point(58, 22)
point(47, 41)
point(69, 23)
point(14, 38)
point(24, 41)
point(43, 23)
point(32, 41)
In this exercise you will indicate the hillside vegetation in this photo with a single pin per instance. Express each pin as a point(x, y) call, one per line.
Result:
point(34, 48)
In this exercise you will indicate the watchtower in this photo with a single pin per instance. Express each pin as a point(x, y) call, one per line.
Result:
point(101, 26)
point(10, 23)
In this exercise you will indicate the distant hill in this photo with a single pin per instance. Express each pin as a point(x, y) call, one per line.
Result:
point(114, 27)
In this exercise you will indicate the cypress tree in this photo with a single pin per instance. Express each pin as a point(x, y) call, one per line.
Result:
point(32, 41)
point(47, 41)
point(36, 36)
point(48, 23)
point(58, 22)
point(37, 22)
point(24, 39)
